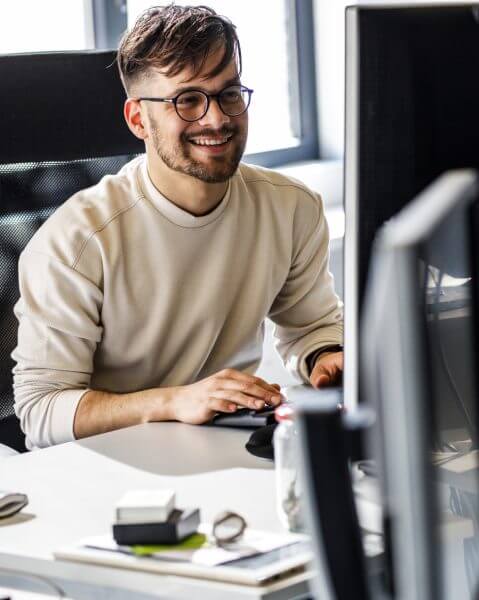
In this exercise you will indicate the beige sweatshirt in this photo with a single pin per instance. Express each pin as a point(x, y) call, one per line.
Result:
point(121, 290)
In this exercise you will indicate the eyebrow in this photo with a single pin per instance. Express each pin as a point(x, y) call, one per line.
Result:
point(233, 81)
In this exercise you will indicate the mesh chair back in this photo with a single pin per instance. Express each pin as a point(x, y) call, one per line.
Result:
point(62, 131)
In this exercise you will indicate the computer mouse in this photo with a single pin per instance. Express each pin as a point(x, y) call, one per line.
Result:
point(260, 442)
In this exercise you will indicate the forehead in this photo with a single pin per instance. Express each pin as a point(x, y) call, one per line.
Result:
point(187, 78)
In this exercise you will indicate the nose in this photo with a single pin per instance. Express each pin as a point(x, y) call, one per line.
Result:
point(214, 115)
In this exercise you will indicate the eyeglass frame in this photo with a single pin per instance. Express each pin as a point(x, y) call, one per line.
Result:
point(173, 100)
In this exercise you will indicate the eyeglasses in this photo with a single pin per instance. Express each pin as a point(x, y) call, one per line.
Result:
point(193, 105)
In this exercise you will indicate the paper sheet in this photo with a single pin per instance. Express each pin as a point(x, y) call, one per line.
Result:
point(252, 542)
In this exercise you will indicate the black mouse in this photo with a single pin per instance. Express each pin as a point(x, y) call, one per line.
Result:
point(260, 442)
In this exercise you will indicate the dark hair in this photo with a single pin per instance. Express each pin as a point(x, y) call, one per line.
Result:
point(174, 37)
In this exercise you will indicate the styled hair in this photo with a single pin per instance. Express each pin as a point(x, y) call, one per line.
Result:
point(171, 38)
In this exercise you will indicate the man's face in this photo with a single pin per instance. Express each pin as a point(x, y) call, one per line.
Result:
point(183, 146)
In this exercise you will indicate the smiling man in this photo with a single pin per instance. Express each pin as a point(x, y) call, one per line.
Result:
point(143, 298)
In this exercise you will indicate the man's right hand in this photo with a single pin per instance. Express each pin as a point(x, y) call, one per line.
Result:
point(225, 391)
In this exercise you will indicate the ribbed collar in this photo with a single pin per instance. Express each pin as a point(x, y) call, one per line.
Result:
point(174, 213)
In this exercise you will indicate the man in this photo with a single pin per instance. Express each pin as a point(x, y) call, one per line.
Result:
point(143, 298)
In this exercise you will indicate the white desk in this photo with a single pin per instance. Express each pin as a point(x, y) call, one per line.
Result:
point(73, 487)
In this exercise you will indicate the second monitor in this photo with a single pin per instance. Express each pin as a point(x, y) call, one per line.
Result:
point(419, 365)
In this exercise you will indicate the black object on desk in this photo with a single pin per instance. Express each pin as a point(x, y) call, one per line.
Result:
point(260, 442)
point(180, 525)
point(245, 417)
point(323, 435)
point(263, 421)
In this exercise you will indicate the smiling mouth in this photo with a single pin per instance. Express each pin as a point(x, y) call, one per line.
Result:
point(217, 142)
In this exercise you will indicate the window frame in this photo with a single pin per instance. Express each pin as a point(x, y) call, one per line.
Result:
point(109, 21)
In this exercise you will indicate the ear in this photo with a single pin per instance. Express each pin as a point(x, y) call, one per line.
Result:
point(134, 118)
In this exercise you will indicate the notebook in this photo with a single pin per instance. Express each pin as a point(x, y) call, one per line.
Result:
point(270, 556)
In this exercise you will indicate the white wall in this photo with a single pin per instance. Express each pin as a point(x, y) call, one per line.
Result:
point(330, 42)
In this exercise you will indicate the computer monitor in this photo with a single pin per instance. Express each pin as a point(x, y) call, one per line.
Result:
point(327, 493)
point(421, 379)
point(412, 101)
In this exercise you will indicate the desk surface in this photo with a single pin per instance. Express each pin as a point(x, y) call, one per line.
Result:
point(73, 488)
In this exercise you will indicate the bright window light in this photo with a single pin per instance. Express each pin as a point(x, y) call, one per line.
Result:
point(34, 26)
point(266, 66)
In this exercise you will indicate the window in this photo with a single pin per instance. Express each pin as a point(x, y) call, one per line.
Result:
point(34, 26)
point(271, 66)
point(277, 63)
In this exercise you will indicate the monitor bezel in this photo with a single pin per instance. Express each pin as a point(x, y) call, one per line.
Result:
point(394, 364)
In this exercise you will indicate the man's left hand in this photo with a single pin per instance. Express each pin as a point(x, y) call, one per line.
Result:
point(327, 370)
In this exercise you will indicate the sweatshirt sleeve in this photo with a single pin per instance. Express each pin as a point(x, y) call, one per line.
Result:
point(307, 312)
point(59, 328)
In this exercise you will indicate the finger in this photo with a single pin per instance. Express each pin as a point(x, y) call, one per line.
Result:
point(265, 384)
point(241, 376)
point(320, 376)
point(332, 370)
point(323, 380)
point(251, 389)
point(319, 380)
point(238, 398)
point(222, 405)
point(278, 388)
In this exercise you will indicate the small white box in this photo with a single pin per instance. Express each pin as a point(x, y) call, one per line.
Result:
point(145, 506)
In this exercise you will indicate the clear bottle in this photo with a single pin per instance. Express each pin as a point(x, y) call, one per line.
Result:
point(286, 470)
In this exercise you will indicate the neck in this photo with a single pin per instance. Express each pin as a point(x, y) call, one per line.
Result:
point(188, 193)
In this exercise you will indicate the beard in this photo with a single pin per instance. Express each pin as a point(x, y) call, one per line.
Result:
point(214, 169)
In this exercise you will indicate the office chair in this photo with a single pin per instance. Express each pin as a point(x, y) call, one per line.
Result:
point(62, 130)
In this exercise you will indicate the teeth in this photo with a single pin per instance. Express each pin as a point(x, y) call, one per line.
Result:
point(210, 142)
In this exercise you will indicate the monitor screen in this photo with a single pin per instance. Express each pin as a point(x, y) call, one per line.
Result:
point(419, 362)
point(412, 102)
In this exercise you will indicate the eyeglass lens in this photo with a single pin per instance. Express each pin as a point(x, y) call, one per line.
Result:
point(193, 105)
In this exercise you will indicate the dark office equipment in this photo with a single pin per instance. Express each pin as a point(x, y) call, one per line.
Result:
point(180, 525)
point(62, 130)
point(412, 102)
point(260, 442)
point(425, 440)
point(339, 557)
point(245, 417)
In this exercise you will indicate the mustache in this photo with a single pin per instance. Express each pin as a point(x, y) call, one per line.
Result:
point(210, 133)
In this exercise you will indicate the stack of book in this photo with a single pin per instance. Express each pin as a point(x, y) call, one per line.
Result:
point(145, 517)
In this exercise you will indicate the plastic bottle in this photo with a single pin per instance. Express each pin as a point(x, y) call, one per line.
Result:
point(286, 469)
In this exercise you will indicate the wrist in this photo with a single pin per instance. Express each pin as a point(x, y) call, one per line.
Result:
point(160, 405)
point(329, 350)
